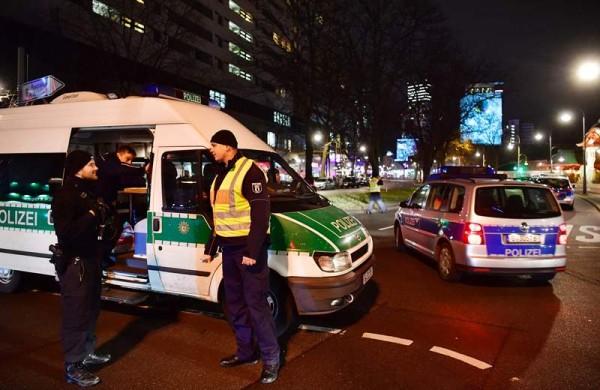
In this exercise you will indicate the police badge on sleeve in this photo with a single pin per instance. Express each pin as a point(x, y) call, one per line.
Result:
point(257, 188)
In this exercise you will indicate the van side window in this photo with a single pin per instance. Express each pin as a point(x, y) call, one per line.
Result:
point(25, 177)
point(455, 200)
point(419, 198)
point(186, 180)
point(438, 197)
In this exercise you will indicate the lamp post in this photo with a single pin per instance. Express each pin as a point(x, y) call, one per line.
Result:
point(511, 146)
point(482, 155)
point(567, 117)
point(539, 137)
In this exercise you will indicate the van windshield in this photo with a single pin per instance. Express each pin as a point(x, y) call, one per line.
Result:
point(287, 189)
point(516, 202)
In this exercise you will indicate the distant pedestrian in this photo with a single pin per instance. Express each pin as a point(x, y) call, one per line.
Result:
point(78, 222)
point(375, 184)
point(241, 214)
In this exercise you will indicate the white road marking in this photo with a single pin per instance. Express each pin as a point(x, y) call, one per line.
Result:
point(389, 339)
point(322, 329)
point(569, 229)
point(386, 228)
point(459, 356)
point(593, 231)
point(588, 247)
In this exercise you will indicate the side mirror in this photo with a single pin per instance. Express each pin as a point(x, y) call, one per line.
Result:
point(404, 204)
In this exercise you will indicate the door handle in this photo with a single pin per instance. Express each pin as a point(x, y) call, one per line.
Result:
point(156, 224)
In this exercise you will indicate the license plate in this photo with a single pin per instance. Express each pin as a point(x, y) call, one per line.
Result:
point(367, 275)
point(524, 238)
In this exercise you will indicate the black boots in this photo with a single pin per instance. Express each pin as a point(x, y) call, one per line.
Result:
point(96, 358)
point(269, 373)
point(234, 361)
point(77, 373)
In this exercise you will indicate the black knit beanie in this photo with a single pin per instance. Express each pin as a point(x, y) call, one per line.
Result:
point(224, 137)
point(76, 160)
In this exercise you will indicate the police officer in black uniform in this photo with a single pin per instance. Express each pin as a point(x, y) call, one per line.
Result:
point(244, 248)
point(78, 221)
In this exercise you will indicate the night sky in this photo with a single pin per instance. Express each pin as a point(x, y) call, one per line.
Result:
point(534, 46)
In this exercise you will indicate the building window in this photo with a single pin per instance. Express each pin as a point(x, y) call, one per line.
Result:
point(271, 139)
point(235, 49)
point(282, 119)
point(240, 73)
point(281, 92)
point(106, 11)
point(247, 16)
point(282, 42)
point(218, 97)
point(241, 33)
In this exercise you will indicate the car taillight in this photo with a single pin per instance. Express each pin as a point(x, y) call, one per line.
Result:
point(473, 234)
point(561, 239)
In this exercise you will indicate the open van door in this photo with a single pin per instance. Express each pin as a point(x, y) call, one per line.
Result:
point(179, 220)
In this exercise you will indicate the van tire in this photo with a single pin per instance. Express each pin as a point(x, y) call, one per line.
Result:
point(399, 239)
point(9, 280)
point(280, 301)
point(446, 263)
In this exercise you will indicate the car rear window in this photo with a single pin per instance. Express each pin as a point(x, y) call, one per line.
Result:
point(555, 183)
point(516, 202)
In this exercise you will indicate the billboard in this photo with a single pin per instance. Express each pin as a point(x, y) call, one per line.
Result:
point(481, 114)
point(405, 148)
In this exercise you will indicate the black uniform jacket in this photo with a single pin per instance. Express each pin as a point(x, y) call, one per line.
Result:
point(113, 175)
point(254, 189)
point(75, 226)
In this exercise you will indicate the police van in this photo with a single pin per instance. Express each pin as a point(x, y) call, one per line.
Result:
point(469, 219)
point(320, 257)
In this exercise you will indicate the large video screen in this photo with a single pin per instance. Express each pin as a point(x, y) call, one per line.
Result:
point(481, 115)
point(405, 148)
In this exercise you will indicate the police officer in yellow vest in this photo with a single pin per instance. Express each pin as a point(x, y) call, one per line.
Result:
point(375, 184)
point(241, 213)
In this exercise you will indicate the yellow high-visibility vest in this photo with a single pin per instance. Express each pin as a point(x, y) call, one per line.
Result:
point(373, 186)
point(231, 211)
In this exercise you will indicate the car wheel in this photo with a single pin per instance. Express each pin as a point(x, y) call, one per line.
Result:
point(9, 280)
point(446, 263)
point(398, 239)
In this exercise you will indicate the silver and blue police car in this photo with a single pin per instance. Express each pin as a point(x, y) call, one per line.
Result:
point(562, 188)
point(469, 219)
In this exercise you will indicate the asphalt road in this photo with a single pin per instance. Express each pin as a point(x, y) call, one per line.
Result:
point(408, 329)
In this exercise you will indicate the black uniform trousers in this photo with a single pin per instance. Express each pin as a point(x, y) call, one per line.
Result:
point(246, 290)
point(80, 286)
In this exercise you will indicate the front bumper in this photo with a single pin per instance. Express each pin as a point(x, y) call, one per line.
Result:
point(315, 295)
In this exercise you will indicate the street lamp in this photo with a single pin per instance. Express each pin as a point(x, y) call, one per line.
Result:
point(586, 72)
point(567, 117)
point(318, 137)
point(362, 148)
point(511, 146)
point(539, 137)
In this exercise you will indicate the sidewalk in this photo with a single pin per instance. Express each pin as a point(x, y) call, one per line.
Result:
point(592, 198)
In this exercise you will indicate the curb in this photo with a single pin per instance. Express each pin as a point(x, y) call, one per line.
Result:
point(593, 203)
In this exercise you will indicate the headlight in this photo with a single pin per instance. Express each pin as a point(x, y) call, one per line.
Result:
point(333, 262)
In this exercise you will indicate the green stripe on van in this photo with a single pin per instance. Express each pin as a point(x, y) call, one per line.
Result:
point(326, 229)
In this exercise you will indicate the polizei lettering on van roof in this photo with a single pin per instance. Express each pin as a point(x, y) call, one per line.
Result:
point(344, 224)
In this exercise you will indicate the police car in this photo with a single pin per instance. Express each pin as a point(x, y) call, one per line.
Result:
point(469, 219)
point(562, 188)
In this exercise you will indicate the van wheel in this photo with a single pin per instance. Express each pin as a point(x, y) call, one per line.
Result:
point(281, 304)
point(398, 239)
point(280, 301)
point(446, 264)
point(9, 280)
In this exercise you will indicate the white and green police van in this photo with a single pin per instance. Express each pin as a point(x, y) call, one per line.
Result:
point(320, 257)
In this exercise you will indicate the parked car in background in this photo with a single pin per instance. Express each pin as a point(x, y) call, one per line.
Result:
point(349, 182)
point(324, 183)
point(562, 188)
point(362, 181)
